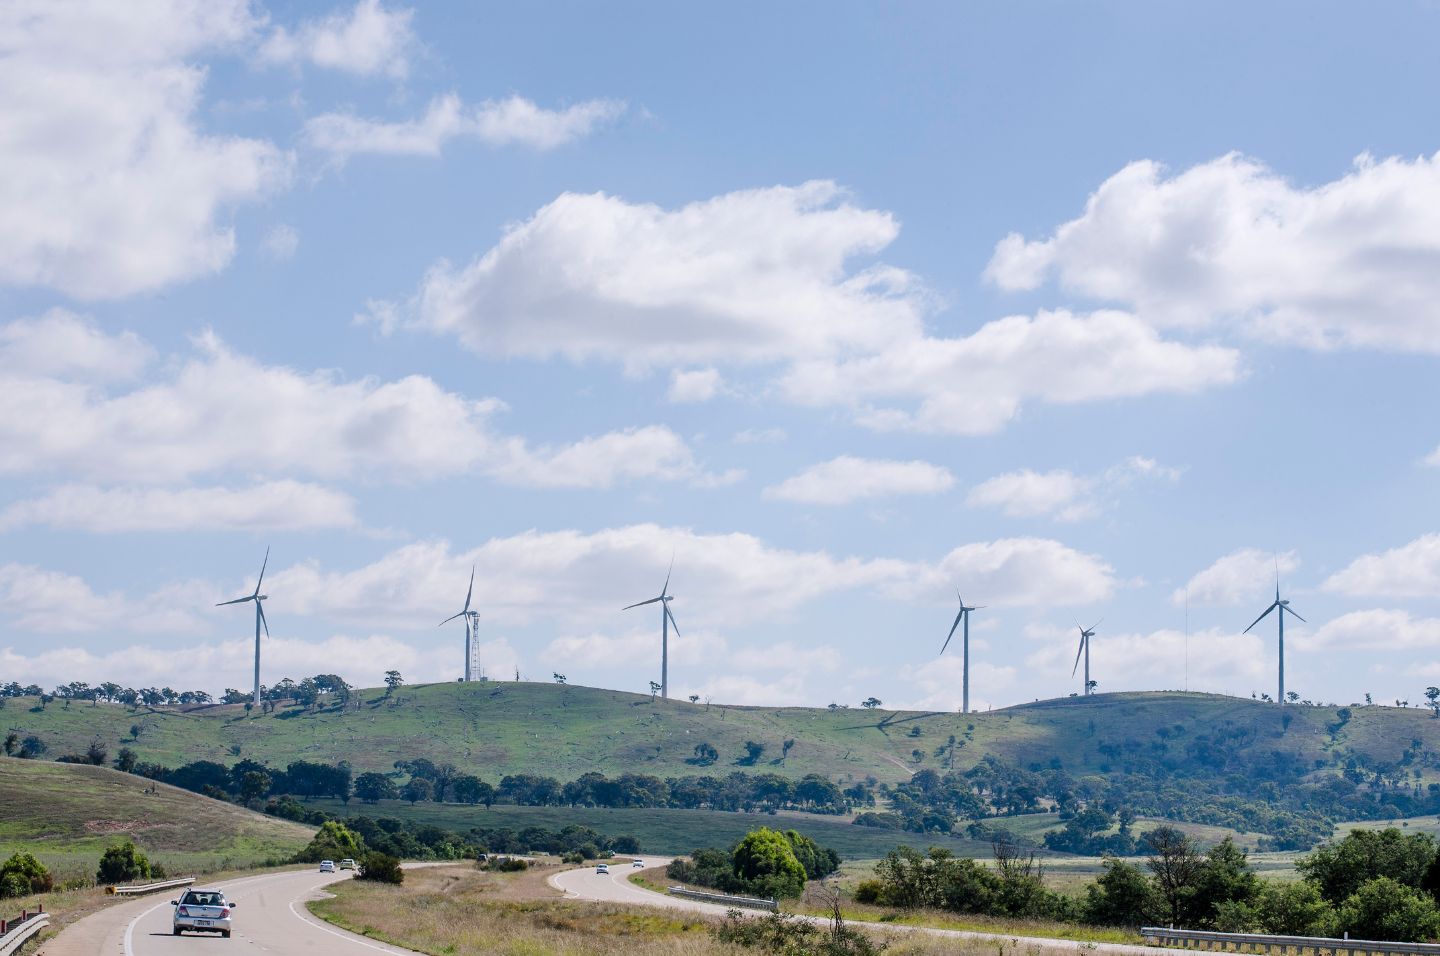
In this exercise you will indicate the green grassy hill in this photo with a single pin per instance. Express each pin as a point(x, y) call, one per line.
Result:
point(498, 728)
point(67, 814)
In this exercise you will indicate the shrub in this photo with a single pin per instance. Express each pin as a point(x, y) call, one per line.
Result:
point(381, 867)
point(1384, 909)
point(869, 891)
point(766, 863)
point(333, 841)
point(121, 863)
point(22, 875)
point(508, 864)
point(1122, 896)
point(573, 857)
point(786, 934)
point(1294, 909)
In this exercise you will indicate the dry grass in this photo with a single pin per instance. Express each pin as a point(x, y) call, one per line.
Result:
point(459, 911)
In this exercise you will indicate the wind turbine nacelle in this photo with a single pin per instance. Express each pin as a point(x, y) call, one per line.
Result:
point(262, 597)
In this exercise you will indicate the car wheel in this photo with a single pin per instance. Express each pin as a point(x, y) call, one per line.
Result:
point(177, 931)
point(225, 934)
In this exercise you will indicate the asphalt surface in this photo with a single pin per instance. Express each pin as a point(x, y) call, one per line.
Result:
point(271, 919)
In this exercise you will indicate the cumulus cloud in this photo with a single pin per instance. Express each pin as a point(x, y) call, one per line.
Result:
point(280, 243)
point(698, 385)
point(976, 384)
point(365, 41)
point(111, 187)
point(1010, 572)
point(514, 121)
point(1354, 262)
point(846, 479)
point(1063, 494)
point(276, 505)
point(938, 685)
point(1217, 659)
point(1375, 630)
point(1411, 570)
point(751, 276)
point(1240, 577)
point(218, 411)
point(53, 602)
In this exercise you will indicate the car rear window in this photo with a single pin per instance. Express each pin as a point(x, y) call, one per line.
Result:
point(203, 899)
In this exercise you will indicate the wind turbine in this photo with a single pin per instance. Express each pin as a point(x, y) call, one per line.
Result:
point(468, 615)
point(667, 620)
point(963, 617)
point(1085, 634)
point(1283, 607)
point(260, 621)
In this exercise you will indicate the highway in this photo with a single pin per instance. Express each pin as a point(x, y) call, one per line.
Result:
point(271, 918)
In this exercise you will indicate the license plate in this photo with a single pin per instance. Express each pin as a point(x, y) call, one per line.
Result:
point(202, 922)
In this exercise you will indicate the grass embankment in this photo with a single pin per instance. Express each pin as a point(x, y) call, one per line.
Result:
point(494, 728)
point(459, 911)
point(662, 831)
point(67, 814)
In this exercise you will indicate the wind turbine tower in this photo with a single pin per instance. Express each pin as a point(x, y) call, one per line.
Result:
point(1281, 608)
point(963, 618)
point(667, 620)
point(1086, 633)
point(260, 621)
point(470, 617)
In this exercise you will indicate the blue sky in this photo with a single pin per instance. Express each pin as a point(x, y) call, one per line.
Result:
point(1075, 308)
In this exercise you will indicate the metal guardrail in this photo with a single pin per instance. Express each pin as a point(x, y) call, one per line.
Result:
point(748, 902)
point(17, 932)
point(140, 888)
point(1281, 945)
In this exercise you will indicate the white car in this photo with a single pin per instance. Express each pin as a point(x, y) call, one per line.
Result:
point(327, 866)
point(347, 864)
point(202, 911)
point(602, 868)
point(638, 863)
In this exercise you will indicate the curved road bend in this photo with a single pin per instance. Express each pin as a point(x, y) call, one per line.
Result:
point(270, 919)
point(586, 884)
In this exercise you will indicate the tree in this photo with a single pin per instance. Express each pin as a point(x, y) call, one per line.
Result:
point(870, 703)
point(1292, 696)
point(121, 863)
point(705, 755)
point(559, 678)
point(654, 689)
point(381, 867)
point(694, 698)
point(1121, 896)
point(393, 682)
point(1432, 694)
point(417, 789)
point(373, 787)
point(254, 785)
point(1176, 864)
point(1225, 878)
point(1294, 909)
point(125, 760)
point(1385, 909)
point(333, 841)
point(765, 861)
point(785, 747)
point(471, 789)
point(1339, 869)
point(23, 875)
point(753, 752)
point(32, 748)
point(12, 743)
point(96, 754)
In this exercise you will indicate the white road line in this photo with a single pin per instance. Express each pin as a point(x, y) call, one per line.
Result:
point(130, 929)
point(351, 937)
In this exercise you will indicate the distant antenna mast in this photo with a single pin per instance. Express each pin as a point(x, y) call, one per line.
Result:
point(1187, 637)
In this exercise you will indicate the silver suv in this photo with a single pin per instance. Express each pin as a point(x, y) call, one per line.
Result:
point(202, 911)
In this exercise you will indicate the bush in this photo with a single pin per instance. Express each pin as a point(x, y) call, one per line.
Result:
point(508, 864)
point(869, 891)
point(1384, 909)
point(573, 857)
point(1122, 896)
point(333, 841)
point(381, 868)
point(786, 934)
point(1294, 909)
point(122, 863)
point(766, 863)
point(23, 875)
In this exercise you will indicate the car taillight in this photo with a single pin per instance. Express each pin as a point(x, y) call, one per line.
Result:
point(184, 911)
point(224, 911)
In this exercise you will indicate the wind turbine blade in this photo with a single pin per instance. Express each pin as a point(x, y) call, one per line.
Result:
point(1263, 616)
point(952, 630)
point(236, 601)
point(642, 603)
point(449, 619)
point(672, 620)
point(666, 589)
point(1078, 651)
point(263, 565)
point(260, 609)
point(1286, 607)
point(471, 589)
point(1095, 625)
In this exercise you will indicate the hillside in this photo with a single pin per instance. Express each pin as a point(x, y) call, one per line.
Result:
point(495, 729)
point(67, 814)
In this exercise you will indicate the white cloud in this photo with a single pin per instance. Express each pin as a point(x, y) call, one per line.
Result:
point(1375, 630)
point(1217, 660)
point(367, 40)
point(977, 384)
point(1241, 577)
point(218, 411)
point(759, 436)
point(1411, 570)
point(280, 243)
point(64, 344)
point(514, 121)
point(1010, 572)
point(940, 683)
point(110, 187)
point(53, 602)
point(751, 276)
point(846, 479)
point(698, 385)
point(276, 505)
point(1350, 262)
point(1063, 494)
point(635, 650)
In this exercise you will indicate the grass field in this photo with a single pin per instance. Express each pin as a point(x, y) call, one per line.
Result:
point(67, 814)
point(493, 729)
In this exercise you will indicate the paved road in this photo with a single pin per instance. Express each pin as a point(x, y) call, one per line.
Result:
point(270, 919)
point(586, 884)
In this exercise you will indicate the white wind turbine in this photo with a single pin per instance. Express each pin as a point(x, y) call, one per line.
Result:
point(963, 617)
point(1281, 608)
point(667, 620)
point(469, 616)
point(260, 621)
